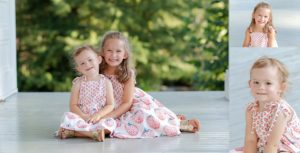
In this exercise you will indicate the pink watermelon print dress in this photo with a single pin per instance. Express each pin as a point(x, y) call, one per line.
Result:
point(147, 117)
point(263, 123)
point(92, 99)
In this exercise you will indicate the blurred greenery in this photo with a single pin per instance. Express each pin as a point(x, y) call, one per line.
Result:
point(180, 44)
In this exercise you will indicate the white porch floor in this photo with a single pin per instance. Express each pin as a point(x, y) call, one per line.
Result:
point(28, 121)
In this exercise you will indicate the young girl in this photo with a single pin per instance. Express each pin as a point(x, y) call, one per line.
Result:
point(91, 99)
point(138, 114)
point(272, 125)
point(261, 32)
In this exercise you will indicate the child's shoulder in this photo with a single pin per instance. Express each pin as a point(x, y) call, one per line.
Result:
point(77, 80)
point(285, 107)
point(251, 106)
point(101, 76)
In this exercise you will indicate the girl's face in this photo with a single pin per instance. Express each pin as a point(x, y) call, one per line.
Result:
point(87, 63)
point(265, 84)
point(261, 16)
point(114, 52)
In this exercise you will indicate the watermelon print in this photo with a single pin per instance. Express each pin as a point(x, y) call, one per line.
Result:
point(147, 118)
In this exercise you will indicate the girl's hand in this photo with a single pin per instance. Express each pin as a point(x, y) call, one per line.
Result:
point(94, 119)
point(85, 117)
point(272, 32)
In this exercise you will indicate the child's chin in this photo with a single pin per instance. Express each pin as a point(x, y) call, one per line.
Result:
point(259, 98)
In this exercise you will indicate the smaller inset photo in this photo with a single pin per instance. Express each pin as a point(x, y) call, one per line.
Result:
point(264, 100)
point(264, 23)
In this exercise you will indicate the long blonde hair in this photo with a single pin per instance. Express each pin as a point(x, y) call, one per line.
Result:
point(270, 22)
point(125, 69)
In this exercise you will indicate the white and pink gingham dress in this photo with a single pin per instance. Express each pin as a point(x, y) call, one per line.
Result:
point(258, 39)
point(147, 117)
point(92, 98)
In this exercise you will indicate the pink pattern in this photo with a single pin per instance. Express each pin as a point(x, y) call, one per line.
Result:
point(147, 118)
point(153, 122)
point(263, 122)
point(170, 130)
point(131, 129)
point(258, 39)
point(92, 98)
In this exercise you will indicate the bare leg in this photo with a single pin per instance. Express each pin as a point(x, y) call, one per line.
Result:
point(96, 135)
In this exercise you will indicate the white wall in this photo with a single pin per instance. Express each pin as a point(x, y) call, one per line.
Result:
point(8, 67)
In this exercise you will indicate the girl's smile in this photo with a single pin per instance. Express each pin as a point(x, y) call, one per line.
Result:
point(114, 52)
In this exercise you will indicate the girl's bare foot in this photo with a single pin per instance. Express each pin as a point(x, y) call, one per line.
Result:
point(99, 135)
point(65, 133)
point(192, 125)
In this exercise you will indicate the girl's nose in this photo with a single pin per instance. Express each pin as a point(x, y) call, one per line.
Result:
point(261, 86)
point(113, 54)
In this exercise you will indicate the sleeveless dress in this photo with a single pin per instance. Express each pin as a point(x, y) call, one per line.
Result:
point(147, 117)
point(92, 98)
point(264, 121)
point(258, 39)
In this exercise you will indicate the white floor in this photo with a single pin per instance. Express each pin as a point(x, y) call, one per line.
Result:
point(28, 121)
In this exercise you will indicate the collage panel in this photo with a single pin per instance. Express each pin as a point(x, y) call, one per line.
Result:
point(285, 19)
point(259, 88)
point(240, 63)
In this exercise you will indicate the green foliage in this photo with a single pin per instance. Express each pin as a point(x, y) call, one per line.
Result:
point(175, 43)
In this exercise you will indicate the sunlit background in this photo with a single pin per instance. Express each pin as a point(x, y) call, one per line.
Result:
point(177, 45)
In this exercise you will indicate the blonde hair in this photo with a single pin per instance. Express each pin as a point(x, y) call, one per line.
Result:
point(267, 62)
point(125, 69)
point(270, 22)
point(80, 49)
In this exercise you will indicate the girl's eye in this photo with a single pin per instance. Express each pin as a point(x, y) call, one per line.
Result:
point(82, 63)
point(256, 82)
point(269, 83)
point(90, 60)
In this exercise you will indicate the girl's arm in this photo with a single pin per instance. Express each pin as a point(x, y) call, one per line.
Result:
point(246, 42)
point(126, 99)
point(74, 99)
point(272, 37)
point(109, 104)
point(276, 133)
point(250, 138)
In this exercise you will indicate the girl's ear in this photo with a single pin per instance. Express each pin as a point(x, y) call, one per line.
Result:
point(100, 59)
point(283, 87)
point(77, 69)
point(125, 55)
point(249, 83)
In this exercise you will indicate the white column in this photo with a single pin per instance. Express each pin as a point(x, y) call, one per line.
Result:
point(8, 56)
